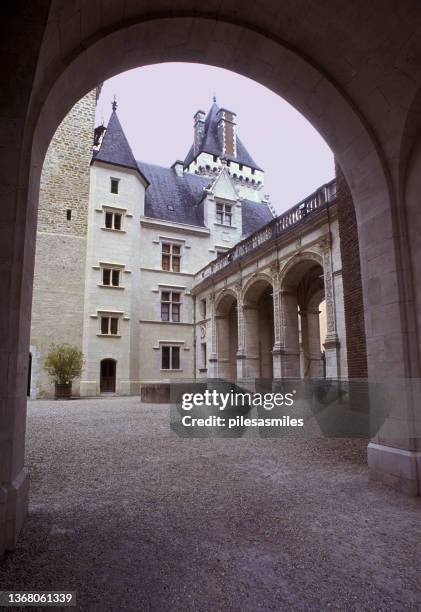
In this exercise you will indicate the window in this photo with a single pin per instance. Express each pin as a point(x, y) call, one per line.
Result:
point(170, 306)
point(111, 277)
point(215, 158)
point(109, 326)
point(228, 163)
point(240, 166)
point(224, 214)
point(203, 308)
point(113, 220)
point(203, 354)
point(69, 214)
point(170, 358)
point(114, 185)
point(171, 255)
point(253, 171)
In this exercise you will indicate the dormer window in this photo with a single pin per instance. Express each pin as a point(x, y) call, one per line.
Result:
point(114, 185)
point(223, 213)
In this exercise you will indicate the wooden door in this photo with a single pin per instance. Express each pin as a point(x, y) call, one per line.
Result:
point(107, 381)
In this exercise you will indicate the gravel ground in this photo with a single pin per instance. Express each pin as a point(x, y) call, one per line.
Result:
point(133, 518)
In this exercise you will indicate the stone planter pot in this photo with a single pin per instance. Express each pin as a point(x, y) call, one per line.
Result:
point(63, 390)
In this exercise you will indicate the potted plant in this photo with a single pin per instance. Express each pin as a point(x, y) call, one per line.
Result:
point(63, 363)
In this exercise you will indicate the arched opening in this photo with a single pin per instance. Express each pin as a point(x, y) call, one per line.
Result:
point(259, 329)
point(108, 369)
point(302, 294)
point(227, 337)
point(265, 49)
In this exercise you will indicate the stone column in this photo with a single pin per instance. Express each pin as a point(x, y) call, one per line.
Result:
point(222, 343)
point(251, 324)
point(213, 358)
point(331, 343)
point(277, 328)
point(241, 352)
point(313, 348)
point(286, 350)
point(303, 343)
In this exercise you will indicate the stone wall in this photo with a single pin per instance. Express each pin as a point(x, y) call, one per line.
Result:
point(59, 277)
point(351, 275)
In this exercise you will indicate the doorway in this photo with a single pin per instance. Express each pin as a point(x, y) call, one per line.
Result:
point(108, 376)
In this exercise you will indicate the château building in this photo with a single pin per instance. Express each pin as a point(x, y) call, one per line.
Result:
point(161, 273)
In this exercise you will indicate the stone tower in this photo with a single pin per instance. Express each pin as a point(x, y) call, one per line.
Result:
point(59, 277)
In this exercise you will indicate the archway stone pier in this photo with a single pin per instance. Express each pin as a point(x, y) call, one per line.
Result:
point(362, 95)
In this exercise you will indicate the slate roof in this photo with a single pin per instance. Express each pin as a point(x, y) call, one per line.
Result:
point(254, 216)
point(168, 196)
point(185, 193)
point(115, 148)
point(168, 191)
point(211, 144)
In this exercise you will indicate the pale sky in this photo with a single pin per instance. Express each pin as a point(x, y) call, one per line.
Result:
point(156, 105)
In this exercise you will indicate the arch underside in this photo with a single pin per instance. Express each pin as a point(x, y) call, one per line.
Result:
point(363, 98)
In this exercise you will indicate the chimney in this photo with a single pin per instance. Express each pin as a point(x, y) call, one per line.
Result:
point(178, 167)
point(199, 129)
point(227, 132)
point(98, 136)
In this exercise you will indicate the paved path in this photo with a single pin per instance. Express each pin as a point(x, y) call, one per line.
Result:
point(133, 518)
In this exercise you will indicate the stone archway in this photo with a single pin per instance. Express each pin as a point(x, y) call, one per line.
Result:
point(258, 324)
point(301, 287)
point(316, 359)
point(226, 320)
point(70, 48)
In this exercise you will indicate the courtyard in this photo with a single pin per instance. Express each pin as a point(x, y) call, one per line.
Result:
point(133, 518)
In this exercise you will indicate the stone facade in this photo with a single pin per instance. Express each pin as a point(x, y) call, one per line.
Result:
point(121, 324)
point(368, 114)
point(59, 277)
point(258, 309)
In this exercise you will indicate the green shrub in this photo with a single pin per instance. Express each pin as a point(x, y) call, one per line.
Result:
point(64, 363)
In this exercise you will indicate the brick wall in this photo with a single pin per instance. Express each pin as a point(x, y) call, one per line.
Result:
point(59, 276)
point(351, 274)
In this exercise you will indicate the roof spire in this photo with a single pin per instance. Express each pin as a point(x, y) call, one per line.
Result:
point(114, 103)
